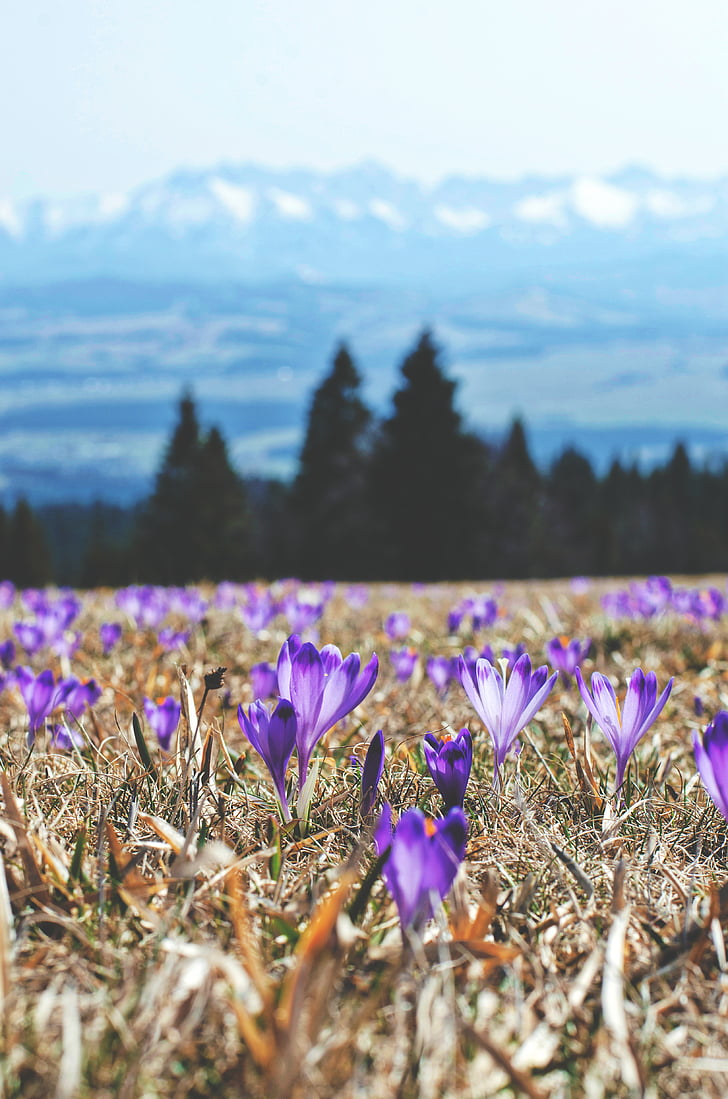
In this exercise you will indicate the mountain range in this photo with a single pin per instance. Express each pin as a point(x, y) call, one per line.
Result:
point(595, 307)
point(361, 224)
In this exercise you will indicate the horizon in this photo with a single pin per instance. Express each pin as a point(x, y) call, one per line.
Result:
point(373, 162)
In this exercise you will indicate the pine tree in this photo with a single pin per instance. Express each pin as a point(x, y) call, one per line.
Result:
point(222, 538)
point(329, 493)
point(517, 509)
point(4, 544)
point(424, 473)
point(195, 524)
point(29, 562)
point(571, 516)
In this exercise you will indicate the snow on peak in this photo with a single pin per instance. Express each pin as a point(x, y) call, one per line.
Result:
point(668, 205)
point(541, 209)
point(386, 212)
point(112, 206)
point(238, 201)
point(463, 219)
point(346, 209)
point(602, 204)
point(9, 220)
point(290, 206)
point(177, 209)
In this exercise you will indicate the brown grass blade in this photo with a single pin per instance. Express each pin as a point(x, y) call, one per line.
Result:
point(318, 936)
point(584, 773)
point(7, 937)
point(521, 1081)
point(242, 926)
point(613, 1006)
point(165, 831)
point(38, 890)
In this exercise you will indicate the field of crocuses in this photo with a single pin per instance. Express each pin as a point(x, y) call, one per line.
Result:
point(291, 840)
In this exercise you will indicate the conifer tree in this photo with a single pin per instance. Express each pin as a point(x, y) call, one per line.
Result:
point(329, 493)
point(427, 477)
point(194, 526)
point(625, 523)
point(4, 545)
point(571, 516)
point(517, 509)
point(223, 542)
point(29, 562)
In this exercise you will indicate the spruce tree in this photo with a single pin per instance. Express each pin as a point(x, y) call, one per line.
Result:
point(424, 477)
point(29, 562)
point(517, 527)
point(4, 544)
point(222, 539)
point(195, 524)
point(329, 492)
point(166, 527)
point(571, 517)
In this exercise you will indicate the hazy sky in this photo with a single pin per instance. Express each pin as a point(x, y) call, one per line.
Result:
point(100, 95)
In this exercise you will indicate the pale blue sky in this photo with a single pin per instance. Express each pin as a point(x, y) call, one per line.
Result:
point(100, 95)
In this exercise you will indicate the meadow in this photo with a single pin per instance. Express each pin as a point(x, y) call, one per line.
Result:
point(165, 931)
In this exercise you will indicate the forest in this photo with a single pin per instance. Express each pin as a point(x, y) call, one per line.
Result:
point(415, 496)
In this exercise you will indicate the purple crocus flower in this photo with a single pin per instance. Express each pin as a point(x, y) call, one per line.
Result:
point(66, 643)
point(449, 760)
point(505, 710)
point(711, 758)
point(39, 693)
point(258, 610)
point(63, 738)
point(171, 639)
point(484, 612)
point(110, 635)
point(403, 662)
point(75, 695)
point(263, 680)
point(303, 610)
point(357, 596)
point(565, 656)
point(454, 619)
point(7, 594)
point(163, 718)
point(471, 656)
point(707, 603)
point(623, 726)
point(30, 636)
point(147, 605)
point(439, 671)
point(189, 603)
point(273, 735)
point(510, 654)
point(7, 680)
point(227, 594)
point(7, 654)
point(424, 856)
point(397, 625)
point(323, 688)
point(371, 773)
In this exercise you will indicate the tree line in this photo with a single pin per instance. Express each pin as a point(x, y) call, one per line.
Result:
point(415, 496)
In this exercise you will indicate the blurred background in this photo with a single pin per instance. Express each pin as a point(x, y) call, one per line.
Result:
point(213, 201)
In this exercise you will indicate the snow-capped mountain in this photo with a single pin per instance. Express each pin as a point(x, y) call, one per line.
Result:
point(360, 224)
point(597, 308)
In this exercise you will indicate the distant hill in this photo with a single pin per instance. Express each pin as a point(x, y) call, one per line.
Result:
point(596, 308)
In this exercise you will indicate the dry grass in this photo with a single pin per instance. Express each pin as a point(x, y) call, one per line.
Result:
point(161, 935)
